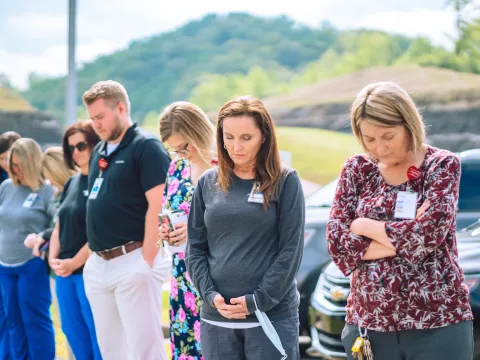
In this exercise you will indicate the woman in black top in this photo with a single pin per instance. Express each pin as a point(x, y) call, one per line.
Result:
point(68, 245)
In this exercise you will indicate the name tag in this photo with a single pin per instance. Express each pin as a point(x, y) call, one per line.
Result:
point(256, 197)
point(406, 205)
point(96, 188)
point(30, 200)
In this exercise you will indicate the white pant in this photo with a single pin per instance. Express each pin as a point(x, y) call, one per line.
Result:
point(125, 297)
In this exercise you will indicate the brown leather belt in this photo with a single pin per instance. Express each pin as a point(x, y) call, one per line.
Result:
point(119, 251)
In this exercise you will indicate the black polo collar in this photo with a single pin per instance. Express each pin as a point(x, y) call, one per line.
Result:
point(127, 138)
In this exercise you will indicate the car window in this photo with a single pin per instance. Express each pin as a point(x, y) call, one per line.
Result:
point(469, 197)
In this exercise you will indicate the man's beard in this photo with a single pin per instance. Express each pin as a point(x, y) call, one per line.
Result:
point(116, 132)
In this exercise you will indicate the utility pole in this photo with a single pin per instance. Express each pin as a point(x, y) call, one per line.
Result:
point(71, 95)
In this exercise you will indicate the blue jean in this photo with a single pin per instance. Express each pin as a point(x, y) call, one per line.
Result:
point(77, 318)
point(26, 302)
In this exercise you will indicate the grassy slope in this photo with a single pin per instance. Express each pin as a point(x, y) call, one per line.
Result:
point(317, 155)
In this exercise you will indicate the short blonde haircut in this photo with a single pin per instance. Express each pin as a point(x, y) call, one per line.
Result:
point(30, 155)
point(387, 104)
point(54, 167)
point(110, 91)
point(190, 122)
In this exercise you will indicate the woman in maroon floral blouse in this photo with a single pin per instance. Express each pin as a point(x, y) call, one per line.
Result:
point(392, 227)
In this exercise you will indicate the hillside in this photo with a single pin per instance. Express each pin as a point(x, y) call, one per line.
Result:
point(168, 67)
point(449, 102)
point(425, 84)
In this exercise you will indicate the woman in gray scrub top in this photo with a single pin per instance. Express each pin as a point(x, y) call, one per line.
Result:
point(24, 202)
point(245, 241)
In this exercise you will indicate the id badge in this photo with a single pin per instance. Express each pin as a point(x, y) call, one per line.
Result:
point(256, 197)
point(30, 200)
point(406, 205)
point(96, 188)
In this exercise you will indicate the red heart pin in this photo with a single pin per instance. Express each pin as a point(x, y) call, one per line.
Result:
point(413, 173)
point(214, 162)
point(102, 164)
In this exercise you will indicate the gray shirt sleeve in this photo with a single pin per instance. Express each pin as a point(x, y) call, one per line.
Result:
point(291, 222)
point(197, 248)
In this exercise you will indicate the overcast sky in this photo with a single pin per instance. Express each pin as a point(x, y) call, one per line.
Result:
point(33, 34)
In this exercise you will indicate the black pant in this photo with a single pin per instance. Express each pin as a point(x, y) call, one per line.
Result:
point(454, 342)
point(219, 343)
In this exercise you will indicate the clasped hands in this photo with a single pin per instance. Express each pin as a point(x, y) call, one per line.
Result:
point(237, 309)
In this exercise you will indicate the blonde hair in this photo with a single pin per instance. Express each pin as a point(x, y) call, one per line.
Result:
point(190, 122)
point(54, 167)
point(387, 104)
point(110, 91)
point(30, 154)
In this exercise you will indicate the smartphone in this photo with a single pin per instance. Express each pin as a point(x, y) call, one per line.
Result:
point(164, 219)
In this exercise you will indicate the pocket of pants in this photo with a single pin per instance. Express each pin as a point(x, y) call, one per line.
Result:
point(144, 262)
point(349, 334)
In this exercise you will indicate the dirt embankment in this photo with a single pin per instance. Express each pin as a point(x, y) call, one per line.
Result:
point(449, 102)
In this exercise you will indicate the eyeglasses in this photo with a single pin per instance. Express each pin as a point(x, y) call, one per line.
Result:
point(81, 146)
point(182, 151)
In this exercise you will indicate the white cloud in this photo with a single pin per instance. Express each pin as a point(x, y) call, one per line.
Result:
point(35, 26)
point(438, 25)
point(51, 62)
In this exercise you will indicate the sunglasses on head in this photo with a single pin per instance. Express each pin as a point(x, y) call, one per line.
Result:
point(81, 146)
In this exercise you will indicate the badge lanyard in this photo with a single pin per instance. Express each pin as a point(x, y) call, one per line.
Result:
point(102, 165)
point(255, 195)
point(406, 202)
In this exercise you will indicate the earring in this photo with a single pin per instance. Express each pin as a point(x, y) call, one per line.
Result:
point(225, 146)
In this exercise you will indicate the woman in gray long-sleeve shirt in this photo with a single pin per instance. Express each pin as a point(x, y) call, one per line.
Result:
point(245, 241)
point(24, 202)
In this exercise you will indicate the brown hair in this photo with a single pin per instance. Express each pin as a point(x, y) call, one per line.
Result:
point(7, 139)
point(387, 104)
point(30, 155)
point(190, 122)
point(85, 127)
point(110, 91)
point(268, 168)
point(54, 167)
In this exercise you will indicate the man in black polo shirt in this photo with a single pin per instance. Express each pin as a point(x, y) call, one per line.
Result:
point(126, 182)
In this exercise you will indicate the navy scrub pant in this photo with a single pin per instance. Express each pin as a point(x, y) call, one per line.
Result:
point(77, 318)
point(4, 335)
point(26, 303)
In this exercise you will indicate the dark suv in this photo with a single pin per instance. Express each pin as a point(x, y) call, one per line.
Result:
point(315, 254)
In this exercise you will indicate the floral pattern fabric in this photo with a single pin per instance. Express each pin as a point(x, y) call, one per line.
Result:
point(421, 287)
point(184, 299)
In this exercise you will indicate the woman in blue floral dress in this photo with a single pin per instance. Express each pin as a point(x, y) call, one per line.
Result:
point(189, 134)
